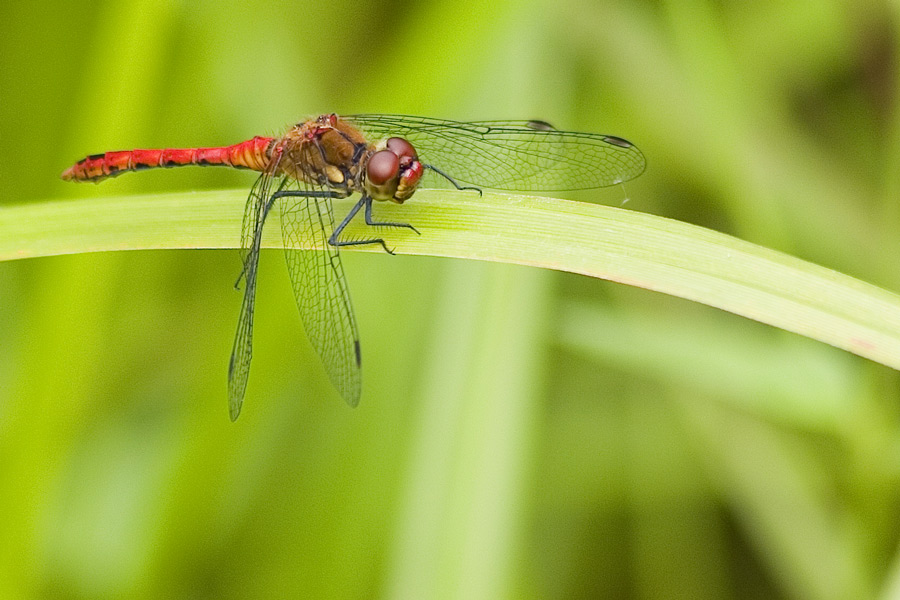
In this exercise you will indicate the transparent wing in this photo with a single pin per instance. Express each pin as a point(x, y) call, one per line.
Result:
point(512, 155)
point(321, 289)
point(255, 213)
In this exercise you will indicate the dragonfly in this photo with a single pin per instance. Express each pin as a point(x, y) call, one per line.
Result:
point(380, 158)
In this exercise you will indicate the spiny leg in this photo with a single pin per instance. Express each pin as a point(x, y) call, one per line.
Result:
point(304, 194)
point(270, 202)
point(451, 180)
point(369, 220)
point(333, 239)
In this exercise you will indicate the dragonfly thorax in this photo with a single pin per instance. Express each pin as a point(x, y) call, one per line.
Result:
point(321, 153)
point(330, 152)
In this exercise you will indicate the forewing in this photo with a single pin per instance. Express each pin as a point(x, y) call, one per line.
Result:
point(255, 214)
point(320, 288)
point(512, 155)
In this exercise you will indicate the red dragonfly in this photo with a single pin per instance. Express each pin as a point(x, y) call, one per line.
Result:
point(377, 157)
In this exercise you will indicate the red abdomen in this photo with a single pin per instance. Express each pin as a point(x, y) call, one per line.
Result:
point(253, 154)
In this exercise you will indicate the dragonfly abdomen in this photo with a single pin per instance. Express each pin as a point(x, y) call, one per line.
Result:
point(252, 154)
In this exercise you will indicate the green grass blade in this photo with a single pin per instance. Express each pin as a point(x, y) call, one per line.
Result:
point(600, 241)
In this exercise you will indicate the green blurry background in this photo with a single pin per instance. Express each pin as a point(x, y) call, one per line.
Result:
point(522, 433)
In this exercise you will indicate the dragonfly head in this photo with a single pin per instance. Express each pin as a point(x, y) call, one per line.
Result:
point(393, 171)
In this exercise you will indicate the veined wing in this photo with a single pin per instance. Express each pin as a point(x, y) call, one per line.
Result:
point(321, 289)
point(255, 212)
point(512, 155)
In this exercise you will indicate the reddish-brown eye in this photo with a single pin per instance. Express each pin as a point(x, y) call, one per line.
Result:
point(383, 166)
point(401, 148)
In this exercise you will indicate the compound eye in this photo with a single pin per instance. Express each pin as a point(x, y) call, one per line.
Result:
point(401, 148)
point(383, 166)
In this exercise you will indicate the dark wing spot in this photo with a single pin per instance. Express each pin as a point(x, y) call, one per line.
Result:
point(617, 141)
point(358, 353)
point(540, 125)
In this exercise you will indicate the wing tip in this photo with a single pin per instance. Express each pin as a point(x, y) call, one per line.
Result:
point(234, 409)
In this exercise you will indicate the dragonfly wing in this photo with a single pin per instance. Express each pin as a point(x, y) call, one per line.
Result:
point(239, 365)
point(512, 155)
point(255, 213)
point(320, 288)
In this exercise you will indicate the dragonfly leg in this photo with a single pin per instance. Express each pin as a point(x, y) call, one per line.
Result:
point(275, 196)
point(302, 194)
point(237, 282)
point(257, 235)
point(367, 202)
point(451, 180)
point(333, 238)
point(369, 220)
